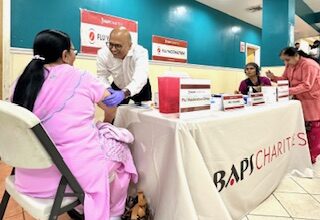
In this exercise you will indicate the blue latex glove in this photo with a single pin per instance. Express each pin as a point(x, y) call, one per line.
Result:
point(116, 97)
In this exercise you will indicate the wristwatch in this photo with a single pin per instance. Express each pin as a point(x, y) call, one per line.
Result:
point(127, 93)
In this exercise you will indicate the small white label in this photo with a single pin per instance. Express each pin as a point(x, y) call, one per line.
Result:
point(257, 99)
point(231, 102)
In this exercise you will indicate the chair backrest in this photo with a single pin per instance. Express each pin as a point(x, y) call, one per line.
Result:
point(19, 147)
point(24, 143)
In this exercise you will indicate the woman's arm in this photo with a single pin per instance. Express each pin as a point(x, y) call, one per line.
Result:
point(101, 104)
point(275, 78)
point(109, 112)
point(243, 87)
point(265, 81)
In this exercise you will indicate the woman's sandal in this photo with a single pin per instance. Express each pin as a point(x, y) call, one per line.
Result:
point(139, 211)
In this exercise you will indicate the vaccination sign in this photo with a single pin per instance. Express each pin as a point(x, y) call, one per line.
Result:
point(168, 49)
point(195, 97)
point(96, 27)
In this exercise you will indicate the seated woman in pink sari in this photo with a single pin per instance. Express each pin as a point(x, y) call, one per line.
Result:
point(64, 98)
point(303, 74)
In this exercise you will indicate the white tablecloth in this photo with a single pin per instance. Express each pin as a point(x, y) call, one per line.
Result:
point(178, 161)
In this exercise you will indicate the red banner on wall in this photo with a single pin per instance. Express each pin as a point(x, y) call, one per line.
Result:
point(96, 27)
point(168, 49)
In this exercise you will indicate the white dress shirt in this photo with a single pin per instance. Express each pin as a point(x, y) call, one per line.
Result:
point(130, 73)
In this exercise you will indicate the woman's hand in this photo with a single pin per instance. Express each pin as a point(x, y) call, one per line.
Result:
point(270, 75)
point(237, 92)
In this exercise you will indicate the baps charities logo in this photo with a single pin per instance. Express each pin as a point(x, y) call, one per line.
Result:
point(92, 36)
point(159, 50)
point(257, 161)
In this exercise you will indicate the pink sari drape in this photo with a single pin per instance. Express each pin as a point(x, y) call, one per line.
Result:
point(66, 106)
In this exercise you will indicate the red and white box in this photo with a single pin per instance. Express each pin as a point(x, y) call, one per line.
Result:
point(195, 95)
point(257, 99)
point(283, 90)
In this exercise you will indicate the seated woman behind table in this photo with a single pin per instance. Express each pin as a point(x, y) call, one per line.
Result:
point(64, 98)
point(254, 79)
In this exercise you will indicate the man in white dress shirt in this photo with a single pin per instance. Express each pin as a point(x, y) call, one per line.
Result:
point(127, 64)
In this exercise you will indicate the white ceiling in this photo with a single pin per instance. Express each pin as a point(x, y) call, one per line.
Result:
point(303, 29)
point(313, 4)
point(238, 9)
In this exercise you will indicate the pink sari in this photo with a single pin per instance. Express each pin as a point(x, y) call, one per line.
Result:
point(314, 140)
point(66, 106)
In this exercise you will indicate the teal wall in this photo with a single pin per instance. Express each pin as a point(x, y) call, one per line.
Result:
point(208, 31)
point(278, 16)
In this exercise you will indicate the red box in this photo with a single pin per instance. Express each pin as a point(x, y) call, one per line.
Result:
point(169, 94)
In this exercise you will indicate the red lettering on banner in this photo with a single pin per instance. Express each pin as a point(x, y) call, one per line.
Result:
point(91, 17)
point(91, 50)
point(169, 41)
point(288, 142)
point(168, 49)
point(248, 165)
point(302, 137)
point(169, 59)
point(274, 152)
point(96, 27)
point(265, 155)
point(293, 142)
point(279, 147)
point(258, 167)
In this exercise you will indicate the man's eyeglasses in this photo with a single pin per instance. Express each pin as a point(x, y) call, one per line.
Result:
point(111, 45)
point(75, 51)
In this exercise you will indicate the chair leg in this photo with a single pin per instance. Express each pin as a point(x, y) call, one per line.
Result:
point(4, 203)
point(55, 211)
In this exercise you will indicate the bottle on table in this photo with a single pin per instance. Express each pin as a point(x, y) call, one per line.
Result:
point(249, 103)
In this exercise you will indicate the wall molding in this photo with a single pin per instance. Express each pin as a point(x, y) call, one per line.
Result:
point(6, 47)
point(26, 51)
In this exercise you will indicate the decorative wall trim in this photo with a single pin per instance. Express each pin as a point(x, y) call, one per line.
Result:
point(15, 50)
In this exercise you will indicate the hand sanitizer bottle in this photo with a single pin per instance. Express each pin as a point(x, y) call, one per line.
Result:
point(249, 103)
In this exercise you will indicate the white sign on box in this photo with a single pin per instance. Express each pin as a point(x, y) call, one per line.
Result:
point(216, 103)
point(270, 94)
point(231, 102)
point(168, 49)
point(257, 99)
point(195, 97)
point(283, 90)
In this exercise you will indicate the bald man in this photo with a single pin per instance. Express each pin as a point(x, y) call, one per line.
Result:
point(127, 64)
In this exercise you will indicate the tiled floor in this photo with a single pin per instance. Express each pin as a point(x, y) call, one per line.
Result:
point(294, 199)
point(14, 211)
